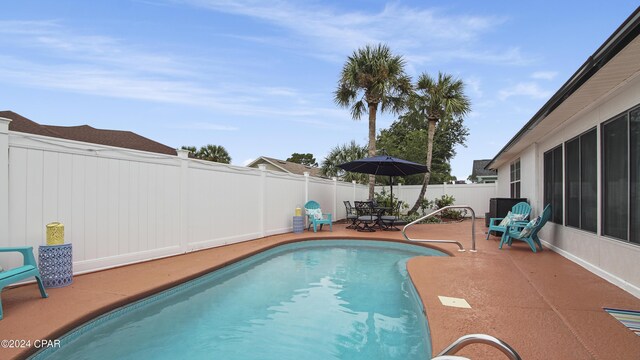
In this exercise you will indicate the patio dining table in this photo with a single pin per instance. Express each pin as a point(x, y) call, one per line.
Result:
point(380, 223)
point(380, 211)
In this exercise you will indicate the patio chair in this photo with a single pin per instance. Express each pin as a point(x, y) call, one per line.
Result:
point(28, 269)
point(316, 217)
point(527, 232)
point(519, 212)
point(352, 215)
point(390, 221)
point(367, 215)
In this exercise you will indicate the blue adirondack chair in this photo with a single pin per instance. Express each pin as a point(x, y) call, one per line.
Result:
point(521, 208)
point(316, 216)
point(527, 232)
point(28, 269)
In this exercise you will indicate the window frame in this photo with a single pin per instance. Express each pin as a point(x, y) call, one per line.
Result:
point(626, 117)
point(580, 180)
point(515, 175)
point(555, 209)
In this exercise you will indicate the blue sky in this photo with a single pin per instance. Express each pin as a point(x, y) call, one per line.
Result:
point(258, 76)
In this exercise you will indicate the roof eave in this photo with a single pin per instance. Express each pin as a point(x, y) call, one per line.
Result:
point(625, 33)
point(270, 162)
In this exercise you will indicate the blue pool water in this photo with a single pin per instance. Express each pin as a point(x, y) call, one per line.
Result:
point(329, 299)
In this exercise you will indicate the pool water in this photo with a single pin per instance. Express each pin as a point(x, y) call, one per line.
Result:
point(328, 299)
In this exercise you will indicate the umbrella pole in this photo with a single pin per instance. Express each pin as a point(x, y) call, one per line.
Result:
point(391, 184)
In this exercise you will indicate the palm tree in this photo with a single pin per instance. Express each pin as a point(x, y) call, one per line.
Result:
point(436, 100)
point(215, 153)
point(379, 75)
point(340, 155)
point(192, 149)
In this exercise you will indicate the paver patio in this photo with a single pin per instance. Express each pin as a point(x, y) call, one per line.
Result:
point(542, 304)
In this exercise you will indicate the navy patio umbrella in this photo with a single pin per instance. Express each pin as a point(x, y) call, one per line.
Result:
point(384, 165)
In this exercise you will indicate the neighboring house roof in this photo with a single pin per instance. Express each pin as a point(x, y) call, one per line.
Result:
point(286, 166)
point(20, 123)
point(479, 170)
point(614, 63)
point(86, 133)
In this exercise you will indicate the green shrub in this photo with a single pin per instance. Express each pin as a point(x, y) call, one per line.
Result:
point(447, 200)
point(384, 199)
point(414, 216)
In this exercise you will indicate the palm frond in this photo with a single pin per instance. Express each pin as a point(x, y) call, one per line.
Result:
point(376, 73)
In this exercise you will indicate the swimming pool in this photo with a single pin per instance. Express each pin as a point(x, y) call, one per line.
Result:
point(321, 299)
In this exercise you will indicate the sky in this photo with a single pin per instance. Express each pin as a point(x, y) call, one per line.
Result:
point(257, 77)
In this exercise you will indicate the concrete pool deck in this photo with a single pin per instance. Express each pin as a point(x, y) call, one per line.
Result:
point(543, 305)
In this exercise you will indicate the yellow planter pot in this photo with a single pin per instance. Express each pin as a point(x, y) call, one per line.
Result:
point(55, 233)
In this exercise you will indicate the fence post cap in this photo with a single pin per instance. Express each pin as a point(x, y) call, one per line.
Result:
point(183, 154)
point(4, 125)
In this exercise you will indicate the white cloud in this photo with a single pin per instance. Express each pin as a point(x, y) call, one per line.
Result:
point(530, 89)
point(544, 75)
point(279, 91)
point(331, 33)
point(104, 66)
point(60, 58)
point(54, 43)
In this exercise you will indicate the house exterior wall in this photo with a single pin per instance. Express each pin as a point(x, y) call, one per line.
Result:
point(614, 260)
point(503, 181)
point(528, 180)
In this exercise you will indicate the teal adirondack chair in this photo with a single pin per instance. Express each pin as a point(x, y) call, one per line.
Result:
point(527, 232)
point(521, 208)
point(316, 217)
point(28, 269)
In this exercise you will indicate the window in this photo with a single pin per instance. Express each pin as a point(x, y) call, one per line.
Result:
point(553, 182)
point(515, 179)
point(581, 181)
point(634, 177)
point(620, 177)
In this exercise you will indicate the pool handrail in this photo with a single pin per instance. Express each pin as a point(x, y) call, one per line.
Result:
point(480, 339)
point(461, 248)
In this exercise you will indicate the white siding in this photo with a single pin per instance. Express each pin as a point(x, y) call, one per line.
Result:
point(614, 260)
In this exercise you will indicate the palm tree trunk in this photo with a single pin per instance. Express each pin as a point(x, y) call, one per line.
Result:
point(431, 130)
point(373, 108)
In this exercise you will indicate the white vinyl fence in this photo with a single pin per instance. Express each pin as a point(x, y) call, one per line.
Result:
point(122, 206)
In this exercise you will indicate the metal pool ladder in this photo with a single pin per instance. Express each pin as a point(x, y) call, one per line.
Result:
point(461, 248)
point(479, 339)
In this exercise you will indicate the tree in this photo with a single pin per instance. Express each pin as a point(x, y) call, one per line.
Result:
point(304, 159)
point(436, 100)
point(210, 152)
point(192, 149)
point(373, 77)
point(340, 155)
point(215, 153)
point(406, 137)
